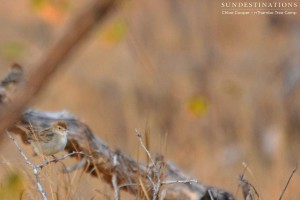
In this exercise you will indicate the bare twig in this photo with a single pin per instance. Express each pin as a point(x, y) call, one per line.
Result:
point(290, 178)
point(115, 179)
point(47, 162)
point(179, 181)
point(242, 175)
point(156, 189)
point(210, 194)
point(34, 167)
point(249, 191)
point(156, 171)
point(138, 134)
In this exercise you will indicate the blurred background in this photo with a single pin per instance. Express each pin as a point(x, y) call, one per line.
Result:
point(213, 90)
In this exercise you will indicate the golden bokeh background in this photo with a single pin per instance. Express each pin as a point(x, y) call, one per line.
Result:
point(220, 89)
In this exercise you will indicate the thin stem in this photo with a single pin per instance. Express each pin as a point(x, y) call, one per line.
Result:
point(34, 167)
point(115, 179)
point(290, 178)
point(59, 159)
point(179, 181)
point(144, 147)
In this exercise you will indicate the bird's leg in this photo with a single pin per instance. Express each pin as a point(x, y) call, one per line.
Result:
point(55, 160)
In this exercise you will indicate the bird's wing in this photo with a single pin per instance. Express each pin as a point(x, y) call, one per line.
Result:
point(42, 136)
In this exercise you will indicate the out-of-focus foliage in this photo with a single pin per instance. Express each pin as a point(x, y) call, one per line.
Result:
point(115, 32)
point(12, 186)
point(13, 50)
point(198, 106)
point(224, 87)
point(51, 11)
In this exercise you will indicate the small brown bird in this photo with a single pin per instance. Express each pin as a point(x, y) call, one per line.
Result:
point(49, 141)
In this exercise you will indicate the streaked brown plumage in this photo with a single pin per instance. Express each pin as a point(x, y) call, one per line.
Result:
point(49, 141)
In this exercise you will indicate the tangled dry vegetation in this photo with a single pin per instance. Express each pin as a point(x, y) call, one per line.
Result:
point(157, 178)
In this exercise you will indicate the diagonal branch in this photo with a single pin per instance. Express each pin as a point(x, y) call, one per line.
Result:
point(42, 71)
point(127, 172)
